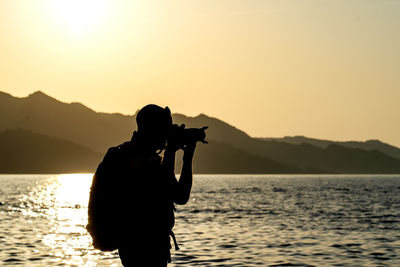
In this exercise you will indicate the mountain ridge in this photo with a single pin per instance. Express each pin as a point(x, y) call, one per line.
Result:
point(76, 123)
point(371, 144)
point(25, 152)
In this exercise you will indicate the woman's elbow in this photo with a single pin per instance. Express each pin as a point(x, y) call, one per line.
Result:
point(181, 200)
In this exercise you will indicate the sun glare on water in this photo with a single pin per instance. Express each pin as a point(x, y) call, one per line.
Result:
point(80, 16)
point(66, 197)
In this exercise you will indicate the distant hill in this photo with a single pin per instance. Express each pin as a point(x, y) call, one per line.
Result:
point(230, 150)
point(334, 158)
point(73, 122)
point(26, 152)
point(223, 158)
point(368, 145)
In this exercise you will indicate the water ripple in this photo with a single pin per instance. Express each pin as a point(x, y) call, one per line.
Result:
point(230, 221)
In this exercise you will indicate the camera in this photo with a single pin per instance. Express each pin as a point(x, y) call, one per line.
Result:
point(182, 136)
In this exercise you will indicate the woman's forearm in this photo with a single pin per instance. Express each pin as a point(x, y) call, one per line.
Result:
point(168, 162)
point(185, 181)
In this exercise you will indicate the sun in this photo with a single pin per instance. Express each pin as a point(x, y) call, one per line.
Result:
point(80, 16)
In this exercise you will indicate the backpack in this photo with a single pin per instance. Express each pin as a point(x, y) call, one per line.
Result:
point(103, 209)
point(102, 223)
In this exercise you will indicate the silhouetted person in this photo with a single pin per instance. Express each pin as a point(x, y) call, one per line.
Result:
point(139, 200)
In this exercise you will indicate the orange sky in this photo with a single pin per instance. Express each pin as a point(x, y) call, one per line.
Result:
point(324, 69)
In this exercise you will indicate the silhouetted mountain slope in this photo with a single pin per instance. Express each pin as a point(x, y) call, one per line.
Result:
point(223, 158)
point(26, 152)
point(334, 158)
point(73, 122)
point(78, 124)
point(309, 158)
point(355, 160)
point(218, 130)
point(298, 140)
point(374, 145)
point(367, 145)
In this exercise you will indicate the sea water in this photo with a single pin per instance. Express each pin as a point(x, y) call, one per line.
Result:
point(230, 220)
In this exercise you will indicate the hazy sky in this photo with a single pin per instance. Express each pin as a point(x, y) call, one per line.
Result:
point(324, 69)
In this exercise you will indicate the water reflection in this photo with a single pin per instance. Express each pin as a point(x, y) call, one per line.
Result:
point(231, 221)
point(67, 198)
point(63, 200)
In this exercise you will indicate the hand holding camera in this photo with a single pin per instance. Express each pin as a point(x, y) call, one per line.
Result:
point(180, 137)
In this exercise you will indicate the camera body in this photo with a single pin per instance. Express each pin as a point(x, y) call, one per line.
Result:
point(182, 136)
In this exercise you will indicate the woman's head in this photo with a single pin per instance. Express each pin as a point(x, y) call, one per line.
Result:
point(154, 123)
